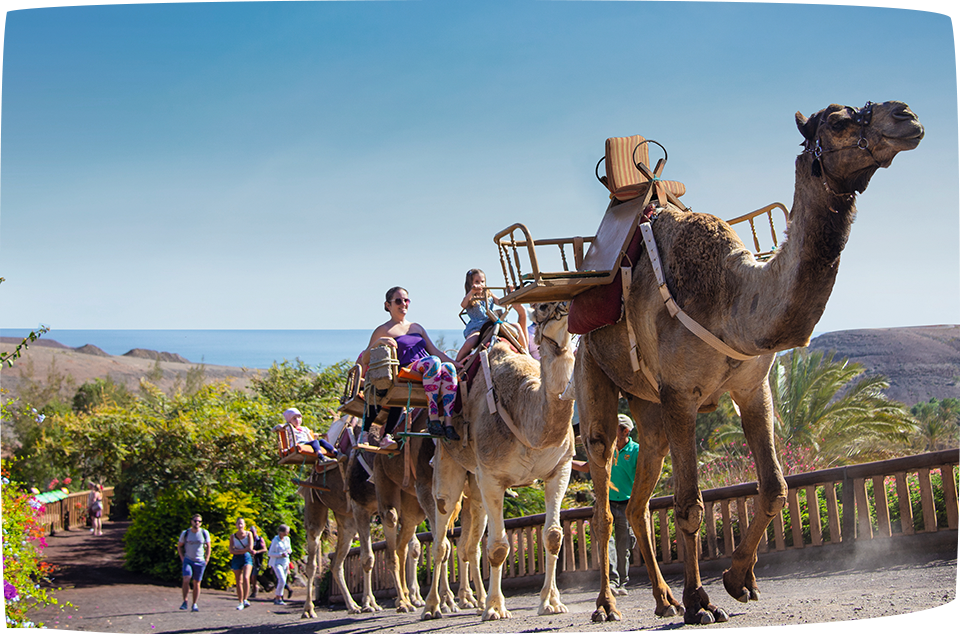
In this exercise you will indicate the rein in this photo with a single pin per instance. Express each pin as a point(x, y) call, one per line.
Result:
point(863, 117)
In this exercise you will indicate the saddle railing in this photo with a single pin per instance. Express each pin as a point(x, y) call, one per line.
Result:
point(758, 253)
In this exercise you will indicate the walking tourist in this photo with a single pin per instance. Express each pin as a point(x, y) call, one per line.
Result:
point(194, 549)
point(95, 508)
point(241, 547)
point(279, 552)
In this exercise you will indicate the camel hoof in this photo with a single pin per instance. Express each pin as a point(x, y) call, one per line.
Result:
point(669, 611)
point(557, 608)
point(700, 617)
point(754, 595)
point(404, 608)
point(744, 597)
point(429, 615)
point(308, 615)
point(720, 615)
point(495, 615)
point(602, 615)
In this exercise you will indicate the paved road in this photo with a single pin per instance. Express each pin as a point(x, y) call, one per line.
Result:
point(823, 587)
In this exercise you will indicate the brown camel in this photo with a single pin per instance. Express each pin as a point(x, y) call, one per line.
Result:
point(757, 309)
point(317, 502)
point(402, 509)
point(352, 520)
point(539, 447)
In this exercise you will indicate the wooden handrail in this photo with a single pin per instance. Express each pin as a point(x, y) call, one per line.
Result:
point(728, 509)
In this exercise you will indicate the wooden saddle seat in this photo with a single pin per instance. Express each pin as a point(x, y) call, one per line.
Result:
point(632, 185)
point(351, 400)
point(290, 451)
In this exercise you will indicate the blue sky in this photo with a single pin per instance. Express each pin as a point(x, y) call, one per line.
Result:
point(280, 165)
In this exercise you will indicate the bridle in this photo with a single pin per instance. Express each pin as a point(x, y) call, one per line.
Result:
point(862, 117)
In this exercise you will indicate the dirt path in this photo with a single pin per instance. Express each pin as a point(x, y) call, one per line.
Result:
point(822, 587)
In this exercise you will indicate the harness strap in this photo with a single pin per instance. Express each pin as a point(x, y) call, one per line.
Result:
point(675, 311)
point(636, 361)
point(492, 402)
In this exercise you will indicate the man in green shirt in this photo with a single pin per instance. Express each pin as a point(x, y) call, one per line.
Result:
point(622, 473)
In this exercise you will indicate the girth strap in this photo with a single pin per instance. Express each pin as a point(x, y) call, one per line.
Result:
point(492, 404)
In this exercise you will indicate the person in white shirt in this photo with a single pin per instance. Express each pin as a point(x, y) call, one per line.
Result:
point(279, 553)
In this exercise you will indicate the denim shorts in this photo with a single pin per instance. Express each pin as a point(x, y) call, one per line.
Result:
point(194, 569)
point(239, 561)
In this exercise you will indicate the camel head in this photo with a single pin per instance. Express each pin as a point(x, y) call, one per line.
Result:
point(551, 321)
point(848, 145)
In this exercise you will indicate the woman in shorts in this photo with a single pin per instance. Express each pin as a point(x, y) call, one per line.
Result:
point(241, 547)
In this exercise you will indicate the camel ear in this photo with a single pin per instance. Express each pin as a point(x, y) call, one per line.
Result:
point(806, 126)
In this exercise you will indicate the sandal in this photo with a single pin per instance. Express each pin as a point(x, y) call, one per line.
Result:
point(434, 428)
point(450, 433)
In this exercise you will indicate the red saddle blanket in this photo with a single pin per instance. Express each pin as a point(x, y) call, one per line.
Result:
point(602, 305)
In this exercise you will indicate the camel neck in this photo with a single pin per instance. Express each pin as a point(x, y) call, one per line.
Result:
point(799, 279)
point(556, 368)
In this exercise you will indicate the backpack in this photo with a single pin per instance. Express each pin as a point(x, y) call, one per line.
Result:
point(204, 536)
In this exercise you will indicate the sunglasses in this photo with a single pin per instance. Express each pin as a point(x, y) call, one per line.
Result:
point(400, 301)
point(197, 521)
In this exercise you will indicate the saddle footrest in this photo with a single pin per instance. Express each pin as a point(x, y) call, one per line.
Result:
point(372, 449)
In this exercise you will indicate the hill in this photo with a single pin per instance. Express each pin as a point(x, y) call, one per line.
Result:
point(921, 362)
point(47, 358)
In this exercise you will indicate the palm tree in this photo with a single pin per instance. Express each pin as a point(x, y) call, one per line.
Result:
point(827, 408)
point(938, 424)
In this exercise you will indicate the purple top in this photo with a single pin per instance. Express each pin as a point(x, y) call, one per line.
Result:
point(411, 347)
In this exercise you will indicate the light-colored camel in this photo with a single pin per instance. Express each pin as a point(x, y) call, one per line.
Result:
point(529, 393)
point(402, 509)
point(755, 308)
point(352, 520)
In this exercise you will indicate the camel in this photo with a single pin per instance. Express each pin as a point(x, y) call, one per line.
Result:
point(402, 508)
point(758, 309)
point(352, 520)
point(542, 448)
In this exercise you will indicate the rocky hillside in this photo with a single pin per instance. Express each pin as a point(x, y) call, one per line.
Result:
point(47, 358)
point(921, 362)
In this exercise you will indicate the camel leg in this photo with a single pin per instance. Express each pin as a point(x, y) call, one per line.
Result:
point(346, 529)
point(473, 521)
point(597, 402)
point(555, 487)
point(315, 521)
point(414, 549)
point(363, 517)
point(653, 449)
point(411, 516)
point(679, 420)
point(756, 412)
point(389, 506)
point(498, 548)
point(448, 482)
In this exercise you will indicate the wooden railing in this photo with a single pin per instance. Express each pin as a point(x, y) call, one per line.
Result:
point(71, 511)
point(853, 503)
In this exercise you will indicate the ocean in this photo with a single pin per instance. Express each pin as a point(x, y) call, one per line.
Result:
point(238, 348)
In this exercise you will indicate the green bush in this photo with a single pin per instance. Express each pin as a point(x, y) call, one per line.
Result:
point(151, 541)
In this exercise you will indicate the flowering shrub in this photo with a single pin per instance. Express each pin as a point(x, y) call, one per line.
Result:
point(23, 544)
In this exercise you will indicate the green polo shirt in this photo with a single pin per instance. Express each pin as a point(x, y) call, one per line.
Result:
point(623, 472)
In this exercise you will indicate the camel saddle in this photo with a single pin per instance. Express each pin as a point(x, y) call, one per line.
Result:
point(632, 186)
